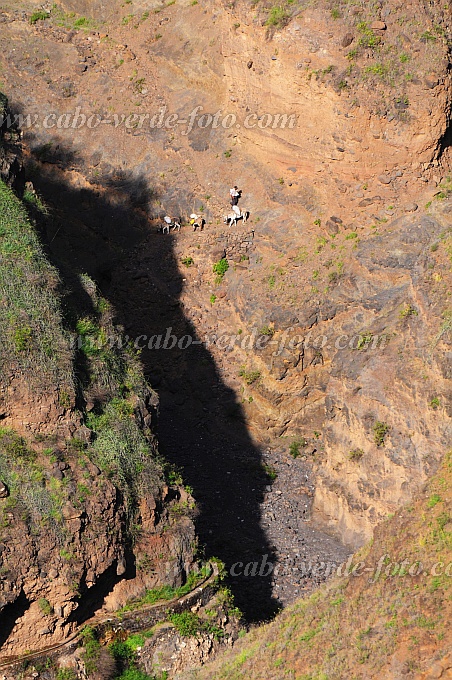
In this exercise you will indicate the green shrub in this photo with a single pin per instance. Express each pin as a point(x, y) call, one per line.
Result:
point(278, 16)
point(187, 624)
point(380, 431)
point(126, 651)
point(45, 606)
point(66, 674)
point(135, 673)
point(187, 261)
point(81, 22)
point(434, 500)
point(435, 403)
point(356, 454)
point(25, 480)
point(294, 448)
point(220, 268)
point(407, 310)
point(40, 15)
point(123, 452)
point(364, 340)
point(270, 472)
point(249, 376)
point(368, 38)
point(92, 648)
point(427, 37)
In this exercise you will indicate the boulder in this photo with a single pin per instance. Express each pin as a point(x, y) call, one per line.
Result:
point(378, 26)
point(430, 81)
point(4, 493)
point(347, 39)
point(384, 179)
point(331, 227)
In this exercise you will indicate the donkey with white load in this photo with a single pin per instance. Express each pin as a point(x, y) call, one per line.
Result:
point(237, 214)
point(170, 224)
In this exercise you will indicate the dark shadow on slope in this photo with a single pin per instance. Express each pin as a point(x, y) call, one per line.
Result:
point(105, 233)
point(93, 602)
point(10, 614)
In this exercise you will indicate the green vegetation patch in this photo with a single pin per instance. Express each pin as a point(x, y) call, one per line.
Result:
point(121, 449)
point(31, 333)
point(380, 431)
point(220, 268)
point(167, 592)
point(38, 502)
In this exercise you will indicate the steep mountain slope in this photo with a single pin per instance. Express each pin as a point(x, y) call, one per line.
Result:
point(387, 617)
point(320, 352)
point(86, 512)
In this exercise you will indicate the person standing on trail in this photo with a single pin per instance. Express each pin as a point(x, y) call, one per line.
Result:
point(235, 195)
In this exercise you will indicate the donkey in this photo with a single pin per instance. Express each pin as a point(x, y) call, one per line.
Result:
point(174, 225)
point(237, 214)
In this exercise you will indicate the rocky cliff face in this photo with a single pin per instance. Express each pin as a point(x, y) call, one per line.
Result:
point(342, 272)
point(75, 536)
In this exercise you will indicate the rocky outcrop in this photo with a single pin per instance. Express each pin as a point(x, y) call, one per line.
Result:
point(57, 571)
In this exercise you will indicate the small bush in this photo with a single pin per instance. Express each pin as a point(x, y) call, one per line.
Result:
point(270, 472)
point(380, 431)
point(364, 340)
point(122, 450)
point(356, 454)
point(92, 649)
point(249, 377)
point(187, 261)
point(427, 37)
point(294, 448)
point(186, 623)
point(434, 500)
point(66, 674)
point(267, 330)
point(81, 22)
point(406, 311)
point(435, 403)
point(136, 673)
point(40, 15)
point(277, 17)
point(220, 268)
point(45, 606)
point(368, 38)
